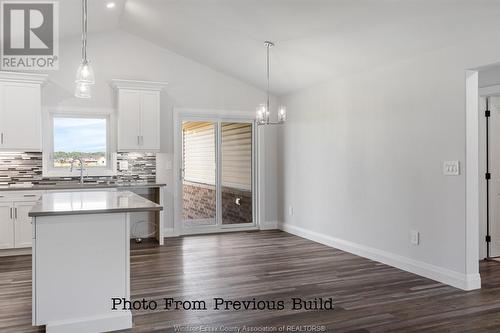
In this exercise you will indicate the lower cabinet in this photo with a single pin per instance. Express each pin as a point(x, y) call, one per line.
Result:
point(6, 226)
point(22, 225)
point(15, 224)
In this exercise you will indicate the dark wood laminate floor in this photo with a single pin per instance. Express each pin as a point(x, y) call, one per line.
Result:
point(369, 297)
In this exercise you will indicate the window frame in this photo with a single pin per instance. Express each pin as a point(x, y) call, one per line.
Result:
point(48, 169)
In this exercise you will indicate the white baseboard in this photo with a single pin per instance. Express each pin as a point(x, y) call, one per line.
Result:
point(269, 225)
point(169, 232)
point(443, 275)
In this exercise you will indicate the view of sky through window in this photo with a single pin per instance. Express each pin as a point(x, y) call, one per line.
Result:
point(83, 138)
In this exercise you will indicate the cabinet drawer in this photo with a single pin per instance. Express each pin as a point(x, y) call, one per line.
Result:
point(20, 195)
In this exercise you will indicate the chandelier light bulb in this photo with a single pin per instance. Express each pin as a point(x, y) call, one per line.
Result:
point(282, 114)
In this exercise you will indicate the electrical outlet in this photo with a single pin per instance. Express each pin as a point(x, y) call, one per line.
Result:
point(451, 168)
point(415, 237)
point(123, 165)
point(290, 210)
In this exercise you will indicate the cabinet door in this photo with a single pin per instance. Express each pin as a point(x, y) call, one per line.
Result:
point(21, 116)
point(150, 120)
point(129, 105)
point(22, 224)
point(6, 226)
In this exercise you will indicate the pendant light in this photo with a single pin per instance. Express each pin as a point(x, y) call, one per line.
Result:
point(263, 113)
point(85, 74)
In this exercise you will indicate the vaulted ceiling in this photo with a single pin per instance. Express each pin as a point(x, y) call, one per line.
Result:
point(315, 39)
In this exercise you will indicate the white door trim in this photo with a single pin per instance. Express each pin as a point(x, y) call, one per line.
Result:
point(180, 114)
point(472, 176)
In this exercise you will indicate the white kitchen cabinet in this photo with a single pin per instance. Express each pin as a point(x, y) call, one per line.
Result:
point(138, 104)
point(22, 224)
point(6, 226)
point(20, 111)
point(15, 225)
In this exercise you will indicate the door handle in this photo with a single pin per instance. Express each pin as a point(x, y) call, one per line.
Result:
point(138, 140)
point(11, 214)
point(1, 135)
point(15, 212)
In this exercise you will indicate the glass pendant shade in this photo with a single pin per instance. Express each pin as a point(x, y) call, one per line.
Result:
point(261, 114)
point(83, 90)
point(85, 73)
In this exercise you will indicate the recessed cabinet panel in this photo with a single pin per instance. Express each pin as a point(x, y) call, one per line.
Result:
point(150, 120)
point(20, 111)
point(22, 227)
point(6, 226)
point(20, 116)
point(129, 106)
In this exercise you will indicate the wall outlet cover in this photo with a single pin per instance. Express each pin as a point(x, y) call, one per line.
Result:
point(451, 168)
point(123, 165)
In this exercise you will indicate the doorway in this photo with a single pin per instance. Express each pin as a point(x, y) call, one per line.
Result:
point(217, 176)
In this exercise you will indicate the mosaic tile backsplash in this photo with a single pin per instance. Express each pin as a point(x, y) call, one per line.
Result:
point(27, 167)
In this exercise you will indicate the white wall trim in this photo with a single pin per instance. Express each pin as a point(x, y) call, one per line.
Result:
point(472, 176)
point(269, 225)
point(169, 232)
point(137, 85)
point(493, 90)
point(6, 76)
point(443, 275)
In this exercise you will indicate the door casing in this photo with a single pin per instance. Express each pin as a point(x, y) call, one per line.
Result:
point(217, 117)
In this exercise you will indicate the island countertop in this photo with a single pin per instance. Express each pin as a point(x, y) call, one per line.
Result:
point(91, 202)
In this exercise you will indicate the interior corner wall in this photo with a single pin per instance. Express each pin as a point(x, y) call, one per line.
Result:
point(117, 54)
point(361, 160)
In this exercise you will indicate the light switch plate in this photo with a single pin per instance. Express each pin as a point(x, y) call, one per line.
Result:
point(415, 237)
point(451, 168)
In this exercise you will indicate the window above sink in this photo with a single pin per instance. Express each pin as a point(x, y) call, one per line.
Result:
point(71, 135)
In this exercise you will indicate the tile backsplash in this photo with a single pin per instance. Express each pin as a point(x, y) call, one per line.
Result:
point(27, 167)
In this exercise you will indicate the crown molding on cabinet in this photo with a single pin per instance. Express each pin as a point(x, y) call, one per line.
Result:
point(137, 85)
point(23, 77)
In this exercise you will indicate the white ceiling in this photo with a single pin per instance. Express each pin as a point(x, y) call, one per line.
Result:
point(315, 39)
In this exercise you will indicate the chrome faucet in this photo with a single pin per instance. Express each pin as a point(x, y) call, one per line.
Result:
point(81, 167)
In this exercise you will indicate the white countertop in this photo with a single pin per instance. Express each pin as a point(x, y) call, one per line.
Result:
point(91, 202)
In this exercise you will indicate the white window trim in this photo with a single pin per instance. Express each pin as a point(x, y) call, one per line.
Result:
point(48, 141)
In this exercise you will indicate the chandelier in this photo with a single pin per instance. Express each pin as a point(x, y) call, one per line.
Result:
point(263, 113)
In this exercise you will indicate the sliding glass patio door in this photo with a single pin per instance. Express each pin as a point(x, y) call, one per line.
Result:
point(217, 175)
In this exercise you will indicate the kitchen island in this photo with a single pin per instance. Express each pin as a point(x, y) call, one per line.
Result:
point(81, 259)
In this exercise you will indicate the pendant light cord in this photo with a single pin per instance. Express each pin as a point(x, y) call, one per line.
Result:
point(84, 30)
point(268, 79)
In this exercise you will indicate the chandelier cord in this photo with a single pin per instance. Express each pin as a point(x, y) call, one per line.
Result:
point(268, 79)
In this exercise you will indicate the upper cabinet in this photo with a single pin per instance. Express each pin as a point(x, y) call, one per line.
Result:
point(138, 115)
point(20, 111)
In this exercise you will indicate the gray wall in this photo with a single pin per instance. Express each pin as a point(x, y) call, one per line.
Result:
point(361, 158)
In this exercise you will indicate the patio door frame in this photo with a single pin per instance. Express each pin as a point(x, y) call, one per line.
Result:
point(216, 117)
